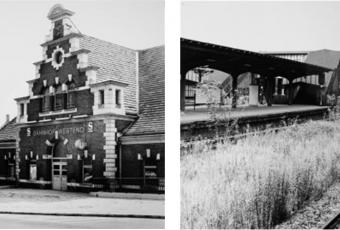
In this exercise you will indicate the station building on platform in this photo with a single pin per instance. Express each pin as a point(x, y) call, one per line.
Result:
point(252, 87)
point(93, 118)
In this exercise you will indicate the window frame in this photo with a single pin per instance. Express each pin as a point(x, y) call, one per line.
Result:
point(118, 97)
point(101, 101)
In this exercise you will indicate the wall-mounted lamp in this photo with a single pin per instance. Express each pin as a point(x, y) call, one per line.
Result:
point(31, 154)
point(78, 157)
point(148, 153)
point(86, 153)
point(37, 157)
point(158, 156)
point(26, 157)
point(5, 157)
point(93, 157)
point(139, 156)
point(13, 157)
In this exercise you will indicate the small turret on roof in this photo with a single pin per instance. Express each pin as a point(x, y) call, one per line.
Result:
point(58, 11)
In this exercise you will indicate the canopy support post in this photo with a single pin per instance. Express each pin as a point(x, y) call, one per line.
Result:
point(234, 90)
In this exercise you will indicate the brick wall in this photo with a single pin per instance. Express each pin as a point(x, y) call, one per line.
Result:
point(36, 143)
point(63, 44)
point(83, 102)
point(47, 72)
point(132, 168)
point(4, 170)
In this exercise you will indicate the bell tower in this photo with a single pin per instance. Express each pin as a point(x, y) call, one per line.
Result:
point(62, 24)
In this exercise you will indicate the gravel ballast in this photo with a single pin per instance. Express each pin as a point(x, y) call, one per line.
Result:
point(317, 213)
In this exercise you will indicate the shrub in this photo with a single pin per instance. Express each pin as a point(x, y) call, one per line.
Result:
point(260, 181)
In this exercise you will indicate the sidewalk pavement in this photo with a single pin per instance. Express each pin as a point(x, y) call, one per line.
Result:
point(51, 202)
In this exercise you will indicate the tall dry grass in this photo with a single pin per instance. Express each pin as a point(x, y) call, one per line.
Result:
point(261, 180)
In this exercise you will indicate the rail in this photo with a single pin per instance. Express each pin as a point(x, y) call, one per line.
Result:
point(334, 223)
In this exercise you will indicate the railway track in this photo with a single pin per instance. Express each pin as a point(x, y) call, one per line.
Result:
point(333, 223)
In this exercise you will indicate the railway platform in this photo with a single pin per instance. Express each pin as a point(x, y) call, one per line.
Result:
point(199, 122)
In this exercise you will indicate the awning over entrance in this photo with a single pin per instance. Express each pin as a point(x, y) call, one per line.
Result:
point(236, 61)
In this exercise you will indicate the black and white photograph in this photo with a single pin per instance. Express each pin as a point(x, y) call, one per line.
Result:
point(82, 134)
point(259, 120)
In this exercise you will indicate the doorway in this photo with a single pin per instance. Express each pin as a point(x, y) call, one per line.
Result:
point(59, 175)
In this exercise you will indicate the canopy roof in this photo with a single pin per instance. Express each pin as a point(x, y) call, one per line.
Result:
point(237, 61)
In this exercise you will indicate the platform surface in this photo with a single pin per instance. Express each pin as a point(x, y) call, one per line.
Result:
point(202, 114)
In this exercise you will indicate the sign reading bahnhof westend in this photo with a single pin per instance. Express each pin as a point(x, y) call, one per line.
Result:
point(62, 131)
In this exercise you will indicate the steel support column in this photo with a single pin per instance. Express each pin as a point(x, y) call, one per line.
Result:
point(234, 90)
point(182, 93)
point(290, 92)
point(269, 90)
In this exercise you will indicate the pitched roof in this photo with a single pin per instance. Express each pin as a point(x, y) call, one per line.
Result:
point(8, 131)
point(325, 58)
point(115, 63)
point(151, 93)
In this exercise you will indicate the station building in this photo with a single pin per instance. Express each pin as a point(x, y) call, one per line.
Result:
point(94, 115)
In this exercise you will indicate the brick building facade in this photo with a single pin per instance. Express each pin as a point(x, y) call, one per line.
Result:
point(94, 116)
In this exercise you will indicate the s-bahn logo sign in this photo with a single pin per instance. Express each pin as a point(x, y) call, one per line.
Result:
point(62, 131)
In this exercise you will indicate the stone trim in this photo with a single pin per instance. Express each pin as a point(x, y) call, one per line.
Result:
point(54, 63)
point(61, 112)
point(110, 148)
point(35, 181)
point(17, 156)
point(109, 106)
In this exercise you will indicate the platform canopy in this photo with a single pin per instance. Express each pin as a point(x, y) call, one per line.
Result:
point(237, 61)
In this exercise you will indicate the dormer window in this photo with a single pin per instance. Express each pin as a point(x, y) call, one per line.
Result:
point(108, 97)
point(22, 109)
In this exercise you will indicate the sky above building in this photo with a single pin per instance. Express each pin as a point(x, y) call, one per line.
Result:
point(263, 26)
point(132, 23)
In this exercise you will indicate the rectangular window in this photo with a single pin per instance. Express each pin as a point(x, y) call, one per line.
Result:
point(22, 109)
point(70, 101)
point(118, 97)
point(46, 104)
point(101, 97)
point(59, 101)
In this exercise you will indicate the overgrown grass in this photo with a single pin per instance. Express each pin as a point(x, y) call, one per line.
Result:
point(260, 181)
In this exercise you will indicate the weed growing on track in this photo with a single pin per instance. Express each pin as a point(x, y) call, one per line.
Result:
point(260, 181)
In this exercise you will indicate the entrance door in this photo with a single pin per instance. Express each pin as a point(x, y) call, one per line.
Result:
point(59, 175)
